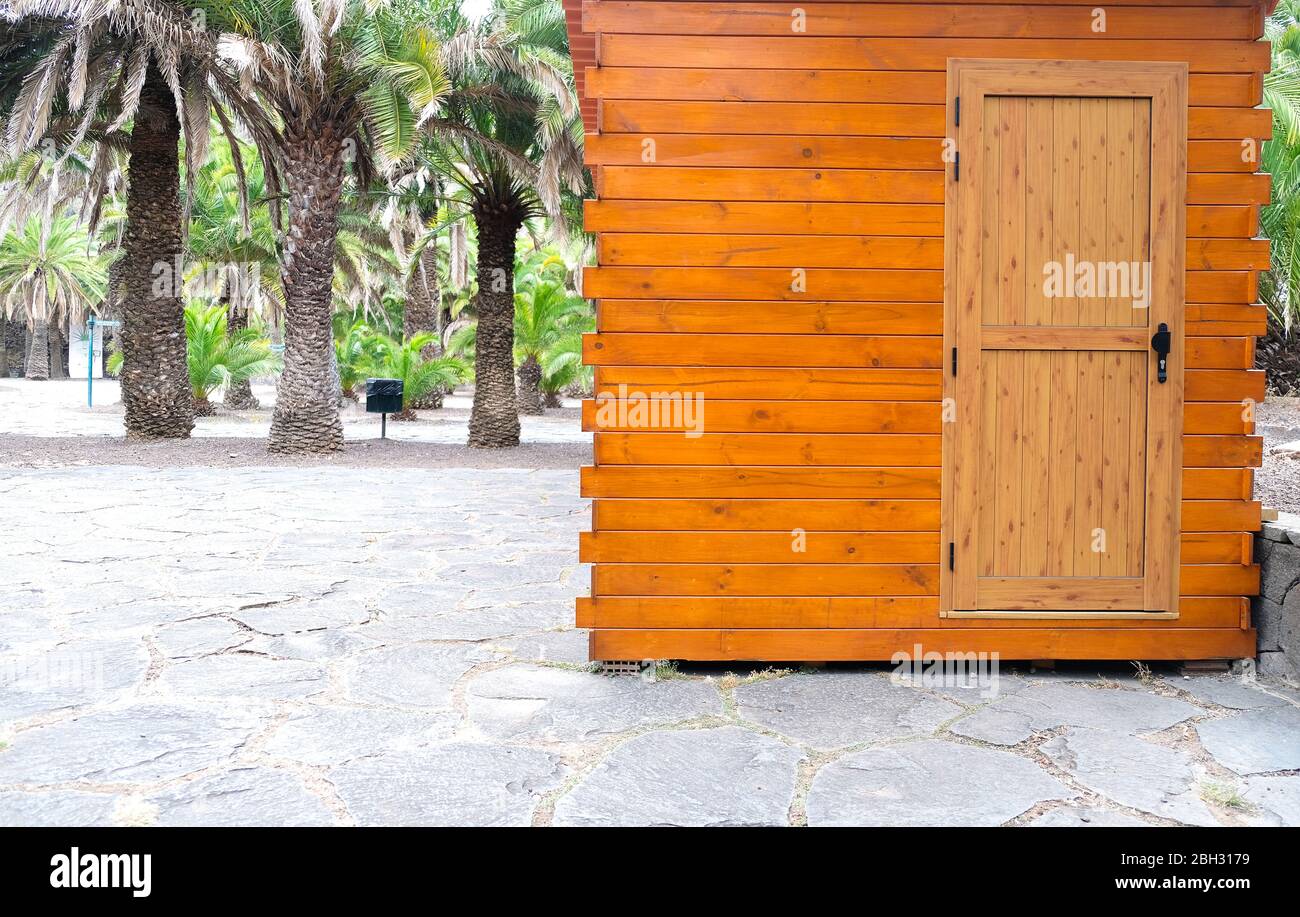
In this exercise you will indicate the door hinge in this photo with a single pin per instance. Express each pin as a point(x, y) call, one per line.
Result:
point(956, 108)
point(954, 361)
point(952, 556)
point(956, 166)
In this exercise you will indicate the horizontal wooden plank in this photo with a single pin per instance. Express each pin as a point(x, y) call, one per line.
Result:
point(743, 53)
point(759, 547)
point(832, 350)
point(1216, 548)
point(1226, 319)
point(882, 186)
point(632, 413)
point(757, 481)
point(769, 416)
point(1220, 353)
point(688, 482)
point(848, 612)
point(795, 85)
point(721, 316)
point(1075, 593)
point(806, 283)
point(859, 350)
point(1221, 451)
point(1223, 515)
point(879, 186)
point(763, 217)
point(1204, 188)
point(927, 20)
point(786, 148)
point(800, 546)
point(830, 251)
point(831, 644)
point(765, 579)
point(1212, 417)
point(819, 449)
point(1224, 385)
point(1218, 579)
point(854, 119)
point(791, 579)
point(858, 250)
point(795, 384)
point(1217, 484)
point(782, 515)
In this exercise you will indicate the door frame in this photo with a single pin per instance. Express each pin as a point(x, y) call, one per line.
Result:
point(1165, 84)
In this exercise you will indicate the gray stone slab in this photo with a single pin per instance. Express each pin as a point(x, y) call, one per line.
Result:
point(56, 809)
point(832, 709)
point(1226, 691)
point(1278, 797)
point(1255, 742)
point(78, 673)
point(309, 614)
point(1086, 817)
point(316, 646)
point(333, 735)
point(245, 675)
point(242, 797)
point(536, 703)
point(137, 744)
point(1133, 773)
point(929, 783)
point(693, 777)
point(563, 646)
point(410, 676)
point(458, 784)
point(199, 637)
point(1048, 705)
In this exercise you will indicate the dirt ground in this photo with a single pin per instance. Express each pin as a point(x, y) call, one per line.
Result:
point(1277, 483)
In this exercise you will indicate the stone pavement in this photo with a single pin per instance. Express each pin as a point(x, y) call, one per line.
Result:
point(298, 646)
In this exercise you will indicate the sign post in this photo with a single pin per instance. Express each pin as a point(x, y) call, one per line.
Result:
point(91, 324)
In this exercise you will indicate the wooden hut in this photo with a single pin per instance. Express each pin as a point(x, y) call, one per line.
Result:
point(883, 290)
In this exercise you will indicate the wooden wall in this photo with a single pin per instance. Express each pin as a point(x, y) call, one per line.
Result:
point(773, 150)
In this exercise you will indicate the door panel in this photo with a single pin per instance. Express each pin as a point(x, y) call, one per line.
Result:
point(1061, 466)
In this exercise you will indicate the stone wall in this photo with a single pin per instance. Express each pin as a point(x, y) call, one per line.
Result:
point(1276, 611)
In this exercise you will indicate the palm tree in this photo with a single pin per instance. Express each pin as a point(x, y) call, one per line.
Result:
point(350, 82)
point(89, 69)
point(510, 138)
point(394, 359)
point(545, 313)
point(47, 275)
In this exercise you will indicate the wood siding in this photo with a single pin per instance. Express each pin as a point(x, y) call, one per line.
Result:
point(770, 222)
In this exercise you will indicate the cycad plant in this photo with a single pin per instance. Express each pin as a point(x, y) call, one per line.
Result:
point(48, 275)
point(355, 351)
point(217, 356)
point(394, 359)
point(546, 313)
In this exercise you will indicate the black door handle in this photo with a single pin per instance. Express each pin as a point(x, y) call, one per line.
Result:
point(1160, 344)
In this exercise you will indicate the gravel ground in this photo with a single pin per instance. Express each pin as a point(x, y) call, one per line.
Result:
point(44, 452)
point(1277, 483)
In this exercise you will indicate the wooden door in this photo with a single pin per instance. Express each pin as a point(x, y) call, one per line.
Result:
point(1065, 256)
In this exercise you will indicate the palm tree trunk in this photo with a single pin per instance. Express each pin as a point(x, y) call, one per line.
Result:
point(58, 351)
point(530, 381)
point(4, 347)
point(306, 415)
point(38, 352)
point(155, 378)
point(421, 315)
point(239, 395)
point(494, 418)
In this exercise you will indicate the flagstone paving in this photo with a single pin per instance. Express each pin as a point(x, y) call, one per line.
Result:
point(298, 646)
